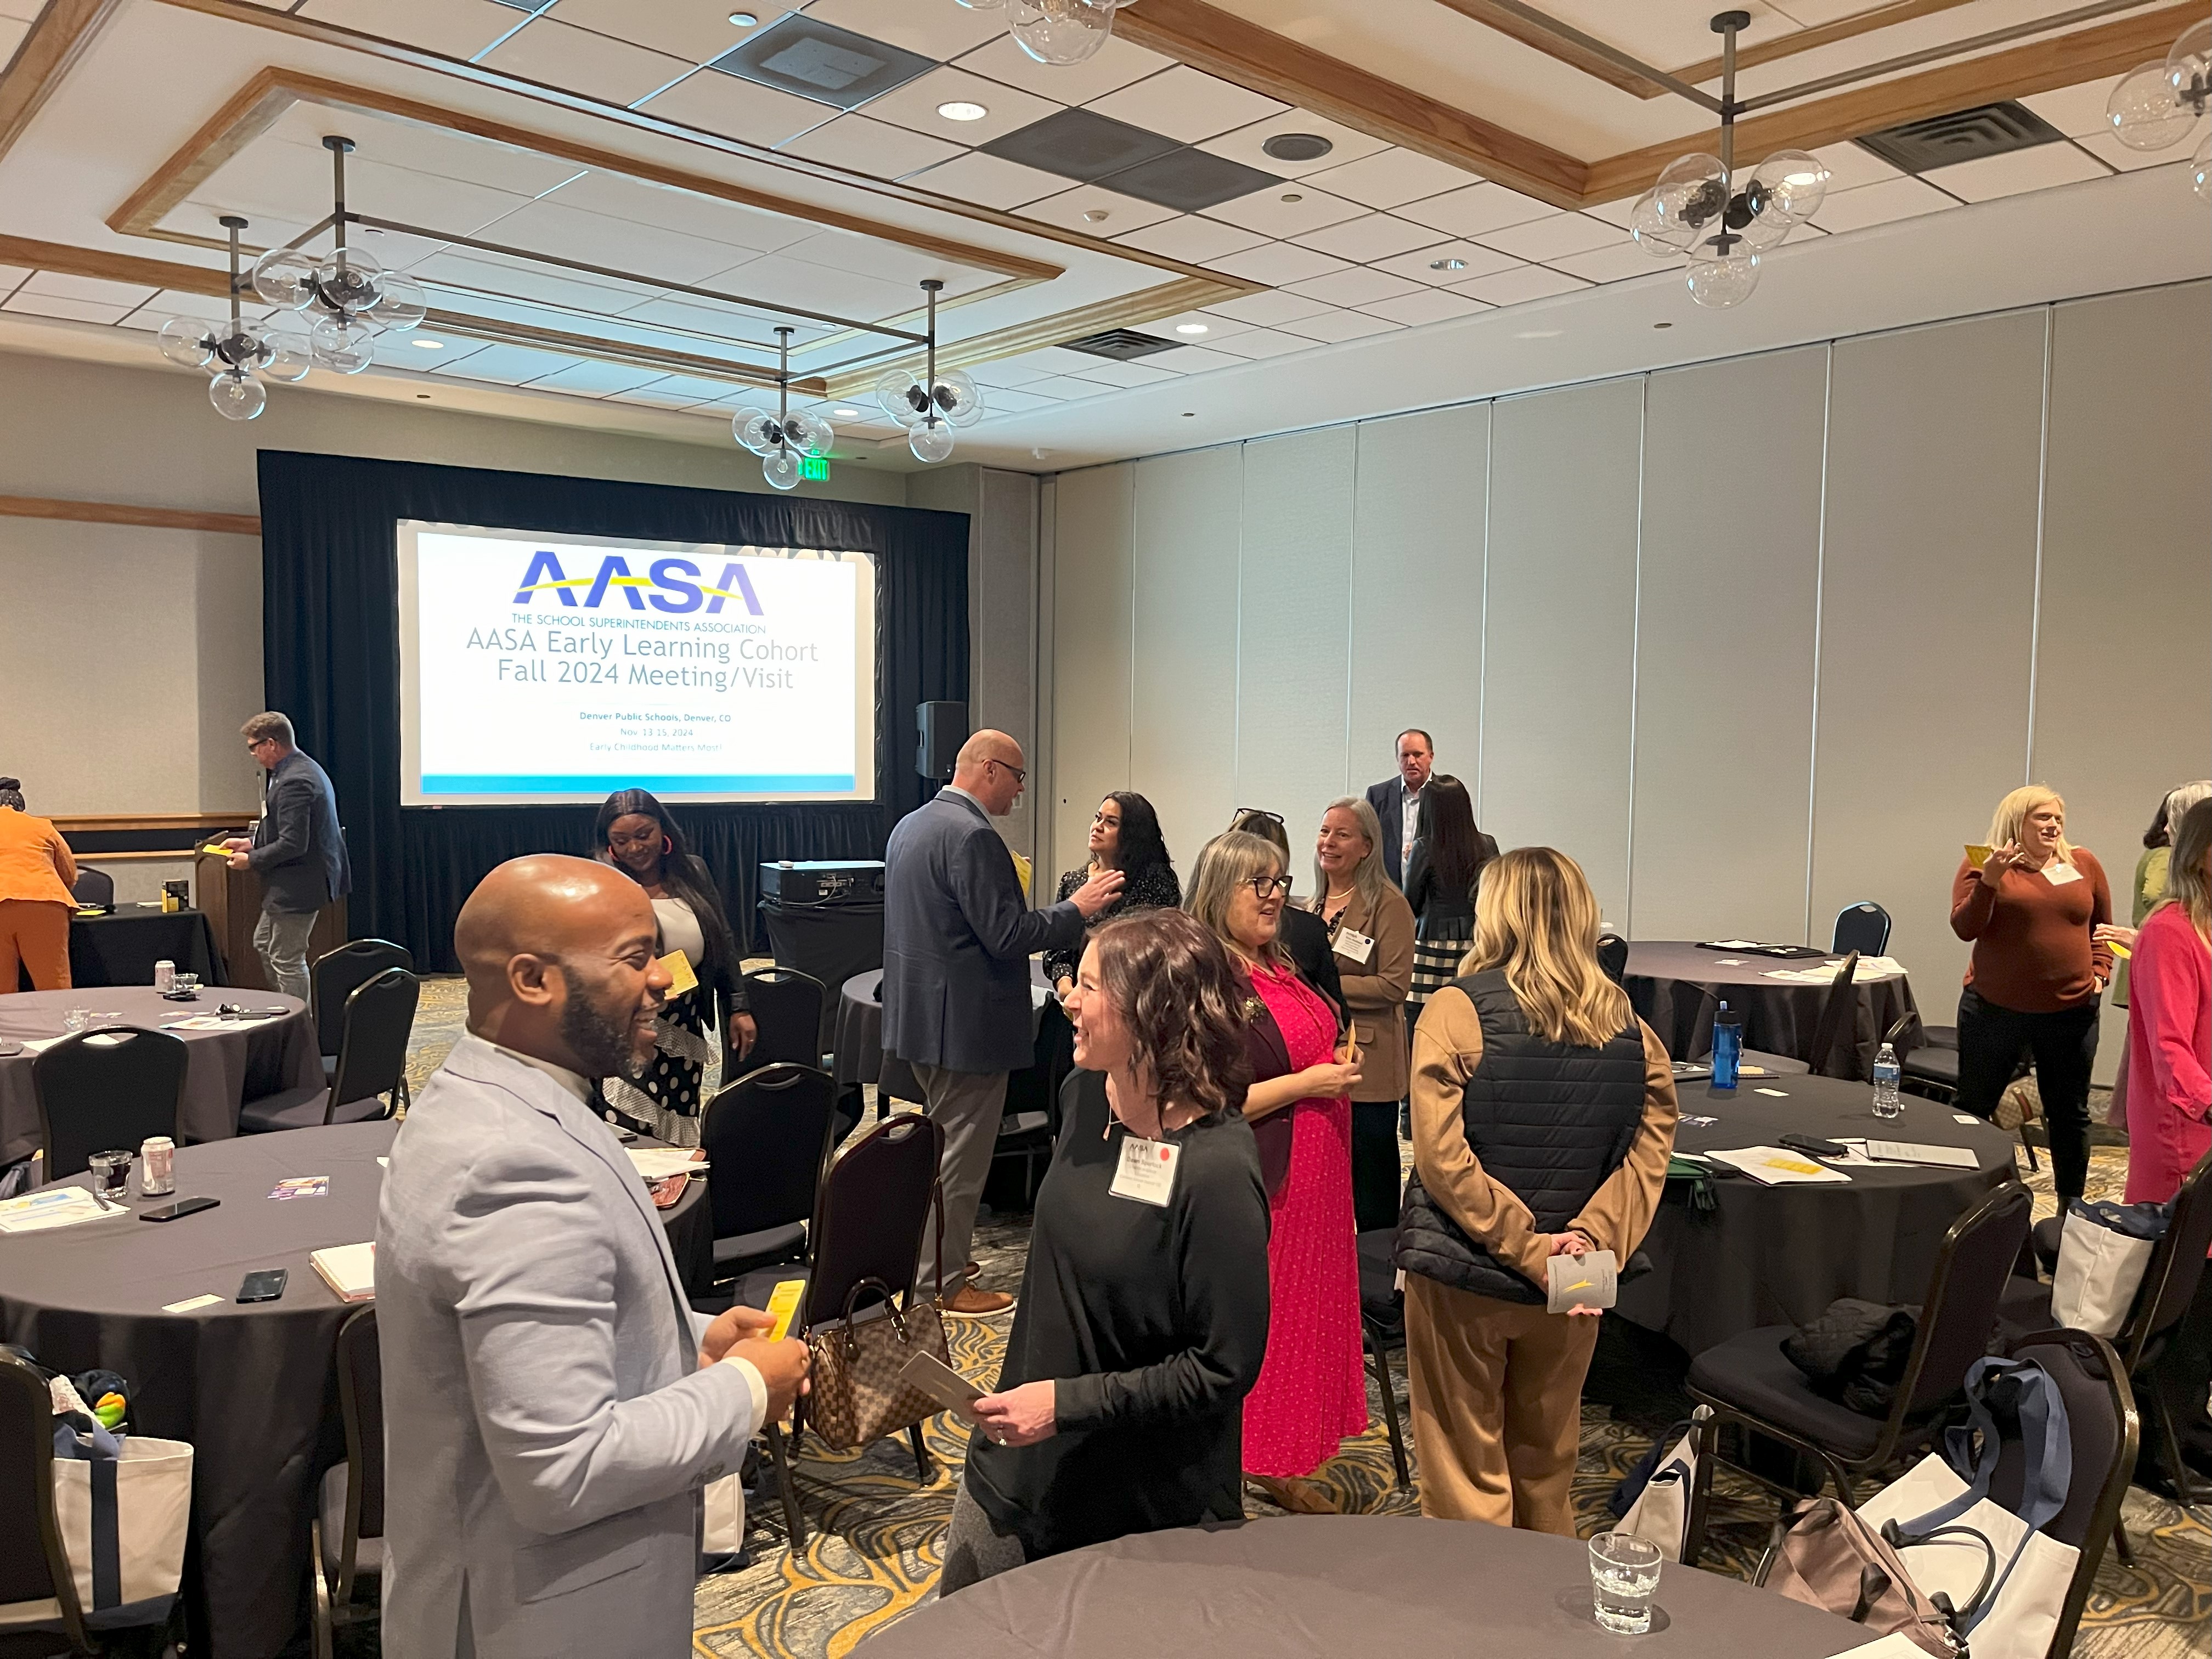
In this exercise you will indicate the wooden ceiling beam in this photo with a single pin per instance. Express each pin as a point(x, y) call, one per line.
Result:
point(1809, 39)
point(63, 34)
point(1515, 27)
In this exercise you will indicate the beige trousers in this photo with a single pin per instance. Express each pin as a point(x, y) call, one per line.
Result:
point(1497, 1396)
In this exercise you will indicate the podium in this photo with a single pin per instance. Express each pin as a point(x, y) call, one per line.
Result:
point(231, 900)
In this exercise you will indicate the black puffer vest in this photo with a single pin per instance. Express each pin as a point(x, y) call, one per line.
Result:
point(1549, 1121)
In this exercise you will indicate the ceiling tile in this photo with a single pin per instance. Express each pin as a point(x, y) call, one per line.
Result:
point(464, 277)
point(1879, 205)
point(12, 31)
point(420, 353)
point(870, 146)
point(2107, 148)
point(697, 388)
point(1115, 64)
point(777, 279)
point(1190, 180)
point(1553, 238)
point(914, 105)
point(1476, 210)
point(1056, 360)
point(808, 54)
point(1279, 264)
point(1014, 403)
point(1186, 104)
point(655, 396)
point(438, 151)
point(1248, 144)
point(577, 60)
point(620, 196)
point(1389, 176)
point(1191, 237)
point(1613, 213)
point(1377, 236)
point(596, 380)
point(1008, 372)
point(170, 302)
point(573, 233)
point(75, 310)
point(934, 31)
point(1356, 288)
point(2076, 112)
point(2043, 166)
point(1333, 325)
point(1195, 360)
point(93, 289)
point(1850, 165)
point(1065, 388)
point(1294, 211)
point(1079, 144)
point(988, 181)
point(1510, 288)
point(458, 28)
point(1269, 310)
point(511, 365)
point(736, 108)
point(695, 30)
point(1428, 306)
point(1107, 372)
point(1622, 261)
point(1263, 343)
point(1117, 212)
point(1422, 265)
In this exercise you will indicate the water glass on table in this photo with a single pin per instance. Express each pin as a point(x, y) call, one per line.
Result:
point(111, 1175)
point(1624, 1577)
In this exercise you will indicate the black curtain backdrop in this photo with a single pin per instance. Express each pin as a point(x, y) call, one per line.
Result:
point(330, 660)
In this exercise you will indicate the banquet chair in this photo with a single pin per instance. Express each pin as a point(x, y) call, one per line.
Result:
point(333, 979)
point(1382, 1330)
point(787, 1011)
point(1835, 1023)
point(347, 1532)
point(1863, 928)
point(94, 886)
point(767, 1138)
point(1613, 956)
point(1749, 1381)
point(379, 1015)
point(103, 1089)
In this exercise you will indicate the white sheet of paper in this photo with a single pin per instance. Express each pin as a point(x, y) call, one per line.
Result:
point(1964, 1117)
point(1779, 1094)
point(190, 1303)
point(659, 1163)
point(1146, 1171)
point(1777, 1166)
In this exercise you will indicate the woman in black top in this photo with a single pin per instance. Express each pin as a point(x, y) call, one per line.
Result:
point(1441, 878)
point(1143, 1308)
point(1125, 835)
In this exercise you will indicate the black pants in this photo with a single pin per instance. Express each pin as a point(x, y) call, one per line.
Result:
point(1374, 1165)
point(2184, 1376)
point(1990, 1043)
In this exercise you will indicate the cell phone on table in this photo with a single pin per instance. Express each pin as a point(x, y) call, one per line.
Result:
point(267, 1285)
point(1813, 1144)
point(182, 1206)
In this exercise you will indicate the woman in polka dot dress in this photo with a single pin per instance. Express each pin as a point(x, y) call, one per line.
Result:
point(637, 836)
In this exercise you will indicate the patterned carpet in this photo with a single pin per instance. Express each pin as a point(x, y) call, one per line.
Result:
point(874, 1530)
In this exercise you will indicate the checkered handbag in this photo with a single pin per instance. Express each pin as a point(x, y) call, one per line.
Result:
point(854, 1391)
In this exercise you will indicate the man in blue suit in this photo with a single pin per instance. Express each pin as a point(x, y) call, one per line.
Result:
point(298, 850)
point(957, 938)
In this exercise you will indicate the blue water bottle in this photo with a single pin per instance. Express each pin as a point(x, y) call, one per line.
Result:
point(1728, 1046)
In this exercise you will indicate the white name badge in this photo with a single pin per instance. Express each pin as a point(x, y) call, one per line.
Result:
point(1354, 947)
point(2057, 873)
point(1147, 1170)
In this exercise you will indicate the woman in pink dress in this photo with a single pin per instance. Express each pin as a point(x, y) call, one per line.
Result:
point(1312, 1392)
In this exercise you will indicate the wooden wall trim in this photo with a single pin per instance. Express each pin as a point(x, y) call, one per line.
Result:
point(145, 517)
point(113, 823)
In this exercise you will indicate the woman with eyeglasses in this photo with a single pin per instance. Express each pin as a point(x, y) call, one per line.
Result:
point(637, 836)
point(1125, 835)
point(1298, 931)
point(1311, 1393)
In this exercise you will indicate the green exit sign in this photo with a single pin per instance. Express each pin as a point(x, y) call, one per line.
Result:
point(814, 466)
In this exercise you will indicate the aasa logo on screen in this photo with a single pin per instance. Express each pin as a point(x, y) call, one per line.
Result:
point(664, 587)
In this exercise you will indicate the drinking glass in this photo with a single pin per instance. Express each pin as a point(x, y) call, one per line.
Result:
point(1624, 1577)
point(111, 1175)
point(74, 1020)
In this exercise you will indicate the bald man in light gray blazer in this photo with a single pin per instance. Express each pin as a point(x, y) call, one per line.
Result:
point(552, 1405)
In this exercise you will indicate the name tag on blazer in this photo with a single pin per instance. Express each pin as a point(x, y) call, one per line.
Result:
point(1354, 947)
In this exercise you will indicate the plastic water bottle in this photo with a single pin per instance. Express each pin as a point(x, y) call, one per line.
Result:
point(1728, 1046)
point(1886, 1072)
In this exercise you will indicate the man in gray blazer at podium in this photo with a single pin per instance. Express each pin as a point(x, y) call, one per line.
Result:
point(298, 849)
point(957, 938)
point(552, 1407)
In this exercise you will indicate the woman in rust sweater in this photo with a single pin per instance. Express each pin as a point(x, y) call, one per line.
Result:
point(2031, 910)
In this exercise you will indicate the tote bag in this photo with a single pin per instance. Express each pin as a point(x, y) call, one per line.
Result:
point(2023, 1617)
point(1661, 1513)
point(123, 1504)
point(2103, 1252)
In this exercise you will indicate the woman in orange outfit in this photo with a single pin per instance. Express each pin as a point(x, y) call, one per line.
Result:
point(36, 874)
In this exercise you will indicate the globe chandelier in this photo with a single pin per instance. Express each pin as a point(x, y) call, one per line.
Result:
point(1056, 31)
point(930, 405)
point(238, 354)
point(783, 437)
point(2156, 106)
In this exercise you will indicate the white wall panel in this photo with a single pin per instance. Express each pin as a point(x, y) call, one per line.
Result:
point(1556, 697)
point(1293, 643)
point(1093, 521)
point(1725, 647)
point(1417, 553)
point(1927, 610)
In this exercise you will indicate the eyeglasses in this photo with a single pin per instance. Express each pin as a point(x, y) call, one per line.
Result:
point(1267, 886)
point(1244, 812)
point(1020, 772)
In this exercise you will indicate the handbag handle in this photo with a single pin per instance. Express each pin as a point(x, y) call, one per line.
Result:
point(898, 1320)
point(1897, 1537)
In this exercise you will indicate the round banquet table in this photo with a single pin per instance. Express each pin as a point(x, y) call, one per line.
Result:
point(223, 1068)
point(1677, 988)
point(1779, 1255)
point(1320, 1587)
point(251, 1387)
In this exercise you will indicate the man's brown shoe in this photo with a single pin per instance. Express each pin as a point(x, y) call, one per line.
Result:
point(973, 1302)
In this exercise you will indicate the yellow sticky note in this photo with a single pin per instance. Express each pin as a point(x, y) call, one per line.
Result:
point(679, 970)
point(2119, 949)
point(783, 1303)
point(1976, 855)
point(216, 851)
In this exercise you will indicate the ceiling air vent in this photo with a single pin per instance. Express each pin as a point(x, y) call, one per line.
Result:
point(1122, 344)
point(1967, 135)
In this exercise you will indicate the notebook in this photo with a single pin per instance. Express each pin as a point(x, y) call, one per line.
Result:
point(1913, 1151)
point(348, 1269)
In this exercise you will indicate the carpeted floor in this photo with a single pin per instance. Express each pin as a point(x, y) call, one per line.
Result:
point(874, 1529)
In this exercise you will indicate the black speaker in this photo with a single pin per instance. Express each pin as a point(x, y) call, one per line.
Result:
point(942, 727)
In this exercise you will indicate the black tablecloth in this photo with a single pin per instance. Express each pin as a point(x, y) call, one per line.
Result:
point(1774, 1255)
point(225, 1068)
point(1329, 1587)
point(121, 948)
point(251, 1387)
point(829, 942)
point(1677, 987)
point(857, 1053)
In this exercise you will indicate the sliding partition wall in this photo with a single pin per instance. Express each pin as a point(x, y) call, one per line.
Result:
point(1752, 640)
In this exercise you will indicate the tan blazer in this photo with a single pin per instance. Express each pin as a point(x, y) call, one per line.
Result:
point(1376, 991)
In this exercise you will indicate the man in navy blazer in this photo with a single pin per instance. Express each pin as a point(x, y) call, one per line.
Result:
point(298, 849)
point(957, 936)
point(1397, 801)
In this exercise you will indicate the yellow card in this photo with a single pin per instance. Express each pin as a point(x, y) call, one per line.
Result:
point(783, 1303)
point(1022, 870)
point(2119, 949)
point(1977, 856)
point(679, 970)
point(216, 851)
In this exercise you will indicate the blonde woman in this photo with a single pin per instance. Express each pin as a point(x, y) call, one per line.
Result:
point(2031, 910)
point(1371, 926)
point(1543, 1119)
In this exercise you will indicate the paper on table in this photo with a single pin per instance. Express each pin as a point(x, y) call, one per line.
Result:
point(197, 1023)
point(1824, 973)
point(190, 1302)
point(1778, 1167)
point(1854, 1153)
point(53, 1206)
point(1911, 1151)
point(659, 1163)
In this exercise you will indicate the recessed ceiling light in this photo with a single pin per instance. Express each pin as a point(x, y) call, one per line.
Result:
point(1540, 334)
point(1190, 414)
point(1297, 147)
point(844, 414)
point(1190, 328)
point(1293, 196)
point(423, 396)
point(1662, 324)
point(1447, 265)
point(1095, 216)
point(743, 20)
point(428, 345)
point(961, 109)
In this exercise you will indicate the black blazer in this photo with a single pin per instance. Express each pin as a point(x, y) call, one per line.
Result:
point(1388, 798)
point(1305, 936)
point(299, 849)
